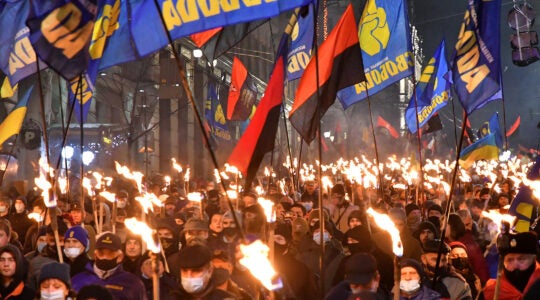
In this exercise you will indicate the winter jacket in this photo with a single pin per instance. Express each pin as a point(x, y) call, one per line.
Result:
point(121, 284)
point(424, 294)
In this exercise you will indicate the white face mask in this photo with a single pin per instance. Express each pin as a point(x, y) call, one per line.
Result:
point(19, 207)
point(317, 237)
point(121, 204)
point(409, 286)
point(40, 246)
point(194, 285)
point(72, 252)
point(56, 295)
point(3, 209)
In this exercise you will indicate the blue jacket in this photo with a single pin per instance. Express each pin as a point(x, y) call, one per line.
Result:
point(122, 285)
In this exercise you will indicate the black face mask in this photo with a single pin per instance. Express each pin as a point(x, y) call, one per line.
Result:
point(106, 264)
point(221, 275)
point(519, 278)
point(461, 264)
point(280, 249)
point(358, 248)
point(229, 231)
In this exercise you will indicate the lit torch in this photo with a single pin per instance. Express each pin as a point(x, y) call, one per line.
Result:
point(111, 197)
point(197, 197)
point(255, 258)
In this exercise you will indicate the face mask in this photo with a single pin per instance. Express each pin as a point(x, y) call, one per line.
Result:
point(41, 246)
point(221, 275)
point(409, 286)
point(518, 278)
point(317, 237)
point(19, 207)
point(358, 247)
point(460, 263)
point(72, 252)
point(121, 204)
point(229, 231)
point(56, 295)
point(307, 205)
point(3, 209)
point(106, 264)
point(194, 285)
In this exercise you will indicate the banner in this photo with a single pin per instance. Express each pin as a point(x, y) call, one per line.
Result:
point(184, 18)
point(215, 116)
point(432, 91)
point(301, 43)
point(476, 70)
point(384, 39)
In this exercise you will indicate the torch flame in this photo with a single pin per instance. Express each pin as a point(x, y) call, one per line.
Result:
point(43, 184)
point(35, 216)
point(176, 166)
point(385, 223)
point(146, 233)
point(111, 197)
point(148, 200)
point(126, 172)
point(195, 197)
point(498, 218)
point(255, 258)
point(62, 184)
point(268, 207)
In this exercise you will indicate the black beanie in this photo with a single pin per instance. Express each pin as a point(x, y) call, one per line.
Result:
point(55, 270)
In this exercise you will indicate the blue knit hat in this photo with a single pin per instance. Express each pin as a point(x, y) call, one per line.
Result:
point(78, 233)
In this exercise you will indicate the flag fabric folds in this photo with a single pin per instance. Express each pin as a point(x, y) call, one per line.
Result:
point(216, 44)
point(486, 147)
point(215, 117)
point(13, 122)
point(384, 124)
point(17, 56)
point(514, 127)
point(476, 70)
point(60, 31)
point(386, 49)
point(183, 20)
point(339, 66)
point(432, 91)
point(242, 92)
point(522, 208)
point(301, 43)
point(258, 139)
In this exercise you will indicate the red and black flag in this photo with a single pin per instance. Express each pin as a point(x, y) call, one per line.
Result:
point(514, 127)
point(258, 139)
point(217, 41)
point(242, 93)
point(434, 124)
point(339, 66)
point(385, 124)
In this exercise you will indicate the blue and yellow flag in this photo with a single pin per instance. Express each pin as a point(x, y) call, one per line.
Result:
point(432, 91)
point(301, 43)
point(183, 19)
point(476, 70)
point(17, 56)
point(60, 31)
point(215, 116)
point(487, 147)
point(522, 208)
point(492, 126)
point(383, 32)
point(13, 122)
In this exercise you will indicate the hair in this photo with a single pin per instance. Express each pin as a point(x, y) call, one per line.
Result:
point(464, 213)
point(5, 226)
point(457, 227)
point(301, 208)
point(20, 268)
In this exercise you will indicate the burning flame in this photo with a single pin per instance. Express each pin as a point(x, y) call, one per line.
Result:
point(195, 197)
point(499, 218)
point(111, 197)
point(255, 258)
point(186, 176)
point(62, 184)
point(43, 184)
point(146, 233)
point(126, 172)
point(148, 200)
point(268, 207)
point(176, 166)
point(232, 194)
point(385, 223)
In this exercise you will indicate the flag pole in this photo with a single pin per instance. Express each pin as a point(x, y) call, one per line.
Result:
point(377, 160)
point(449, 201)
point(82, 140)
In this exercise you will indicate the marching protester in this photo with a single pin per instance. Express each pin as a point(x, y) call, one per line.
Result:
point(13, 272)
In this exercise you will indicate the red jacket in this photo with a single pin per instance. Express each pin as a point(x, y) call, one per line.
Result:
point(476, 257)
point(507, 290)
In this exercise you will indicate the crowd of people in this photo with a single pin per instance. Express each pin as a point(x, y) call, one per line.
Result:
point(201, 258)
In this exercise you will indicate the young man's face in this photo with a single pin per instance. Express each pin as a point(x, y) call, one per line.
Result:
point(7, 265)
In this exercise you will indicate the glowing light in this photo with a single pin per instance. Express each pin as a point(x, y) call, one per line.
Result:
point(385, 223)
point(255, 258)
point(268, 207)
point(176, 166)
point(111, 197)
point(146, 233)
point(195, 197)
point(126, 172)
point(498, 218)
point(43, 184)
point(88, 157)
point(67, 152)
point(62, 184)
point(35, 216)
point(197, 53)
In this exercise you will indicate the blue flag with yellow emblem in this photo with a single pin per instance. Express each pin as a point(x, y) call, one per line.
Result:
point(215, 116)
point(383, 33)
point(17, 56)
point(476, 70)
point(432, 91)
point(301, 43)
point(60, 31)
